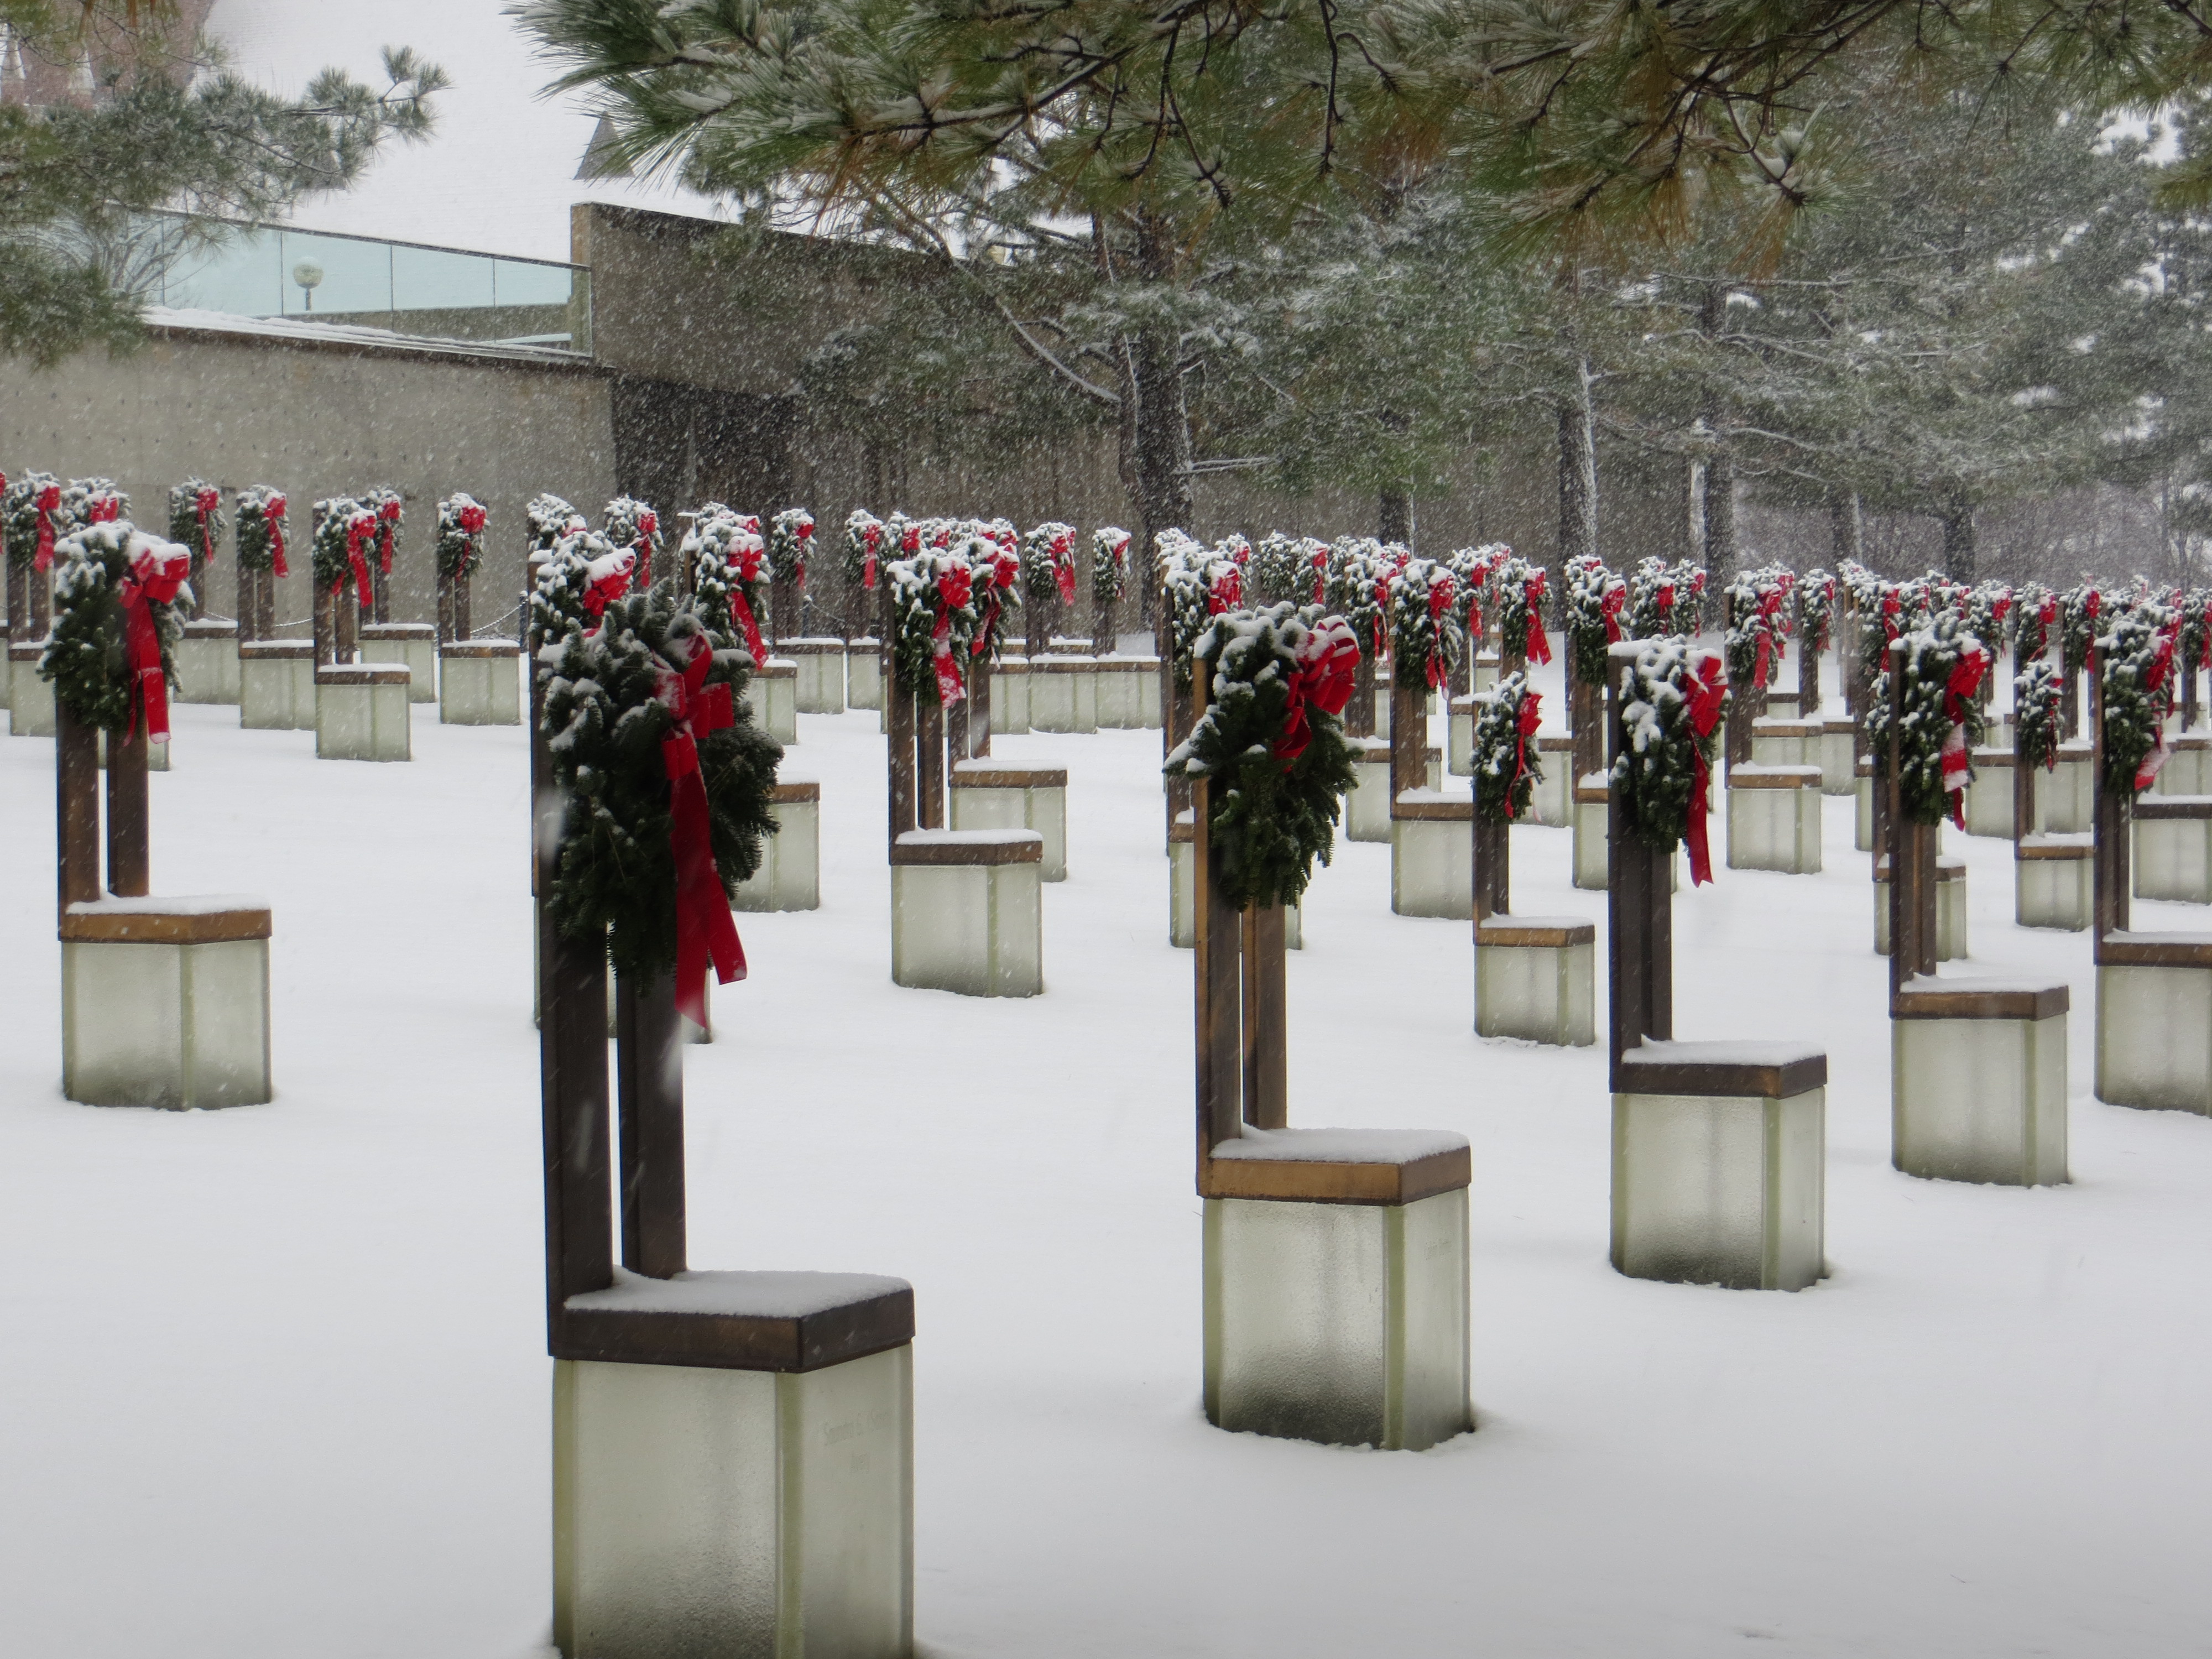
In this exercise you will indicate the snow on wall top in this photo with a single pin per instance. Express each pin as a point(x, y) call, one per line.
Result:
point(498, 173)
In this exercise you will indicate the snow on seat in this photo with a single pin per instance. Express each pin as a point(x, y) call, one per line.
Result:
point(1338, 1166)
point(1775, 1071)
point(741, 1321)
point(984, 846)
point(203, 919)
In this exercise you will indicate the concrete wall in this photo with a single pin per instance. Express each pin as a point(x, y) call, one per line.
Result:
point(316, 420)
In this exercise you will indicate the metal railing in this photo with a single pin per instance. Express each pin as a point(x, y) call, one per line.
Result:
point(275, 270)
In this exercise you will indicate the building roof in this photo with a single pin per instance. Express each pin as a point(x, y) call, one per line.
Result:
point(499, 174)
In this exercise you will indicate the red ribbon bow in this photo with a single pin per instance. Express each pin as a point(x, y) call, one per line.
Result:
point(1609, 608)
point(1539, 647)
point(705, 930)
point(1524, 727)
point(472, 520)
point(1321, 572)
point(1441, 594)
point(153, 580)
point(49, 499)
point(744, 561)
point(387, 529)
point(1227, 592)
point(358, 531)
point(104, 509)
point(272, 514)
point(1957, 766)
point(955, 587)
point(2160, 688)
point(204, 502)
point(607, 579)
point(1063, 569)
point(870, 540)
point(1327, 663)
point(1770, 603)
point(1707, 690)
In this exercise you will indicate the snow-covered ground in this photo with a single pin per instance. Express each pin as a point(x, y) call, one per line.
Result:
point(275, 1381)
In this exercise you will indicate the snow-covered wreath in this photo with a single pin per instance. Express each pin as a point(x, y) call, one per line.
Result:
point(1939, 716)
point(1521, 593)
point(1272, 746)
point(576, 584)
point(1359, 590)
point(1507, 768)
point(389, 510)
point(1676, 693)
point(119, 595)
point(1595, 599)
point(936, 618)
point(548, 518)
point(345, 532)
point(197, 520)
point(459, 551)
point(2135, 687)
point(31, 520)
point(261, 530)
point(1109, 566)
point(2038, 700)
point(729, 571)
point(866, 545)
point(1048, 561)
point(668, 785)
point(1425, 646)
point(790, 539)
point(1757, 607)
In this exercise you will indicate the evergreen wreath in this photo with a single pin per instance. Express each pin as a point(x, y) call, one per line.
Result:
point(196, 520)
point(2134, 660)
point(343, 528)
point(2196, 629)
point(1521, 594)
point(2036, 622)
point(1941, 715)
point(1657, 775)
point(1426, 647)
point(1816, 610)
point(1663, 599)
point(582, 576)
point(88, 657)
point(1989, 610)
point(1591, 617)
point(1048, 562)
point(2081, 609)
point(2037, 699)
point(34, 500)
point(1109, 566)
point(1504, 758)
point(628, 522)
point(1359, 590)
point(1476, 569)
point(604, 717)
point(261, 512)
point(459, 551)
point(1281, 570)
point(1756, 606)
point(867, 544)
point(390, 509)
point(935, 616)
point(996, 576)
point(548, 519)
point(790, 537)
point(728, 561)
point(1186, 598)
point(93, 500)
point(1273, 747)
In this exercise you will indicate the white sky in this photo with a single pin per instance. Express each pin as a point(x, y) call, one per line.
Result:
point(498, 174)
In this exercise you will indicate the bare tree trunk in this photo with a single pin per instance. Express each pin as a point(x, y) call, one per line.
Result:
point(1846, 530)
point(1577, 480)
point(1155, 416)
point(1393, 517)
point(1959, 543)
point(1720, 520)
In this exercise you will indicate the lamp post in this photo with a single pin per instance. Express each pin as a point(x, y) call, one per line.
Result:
point(309, 276)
